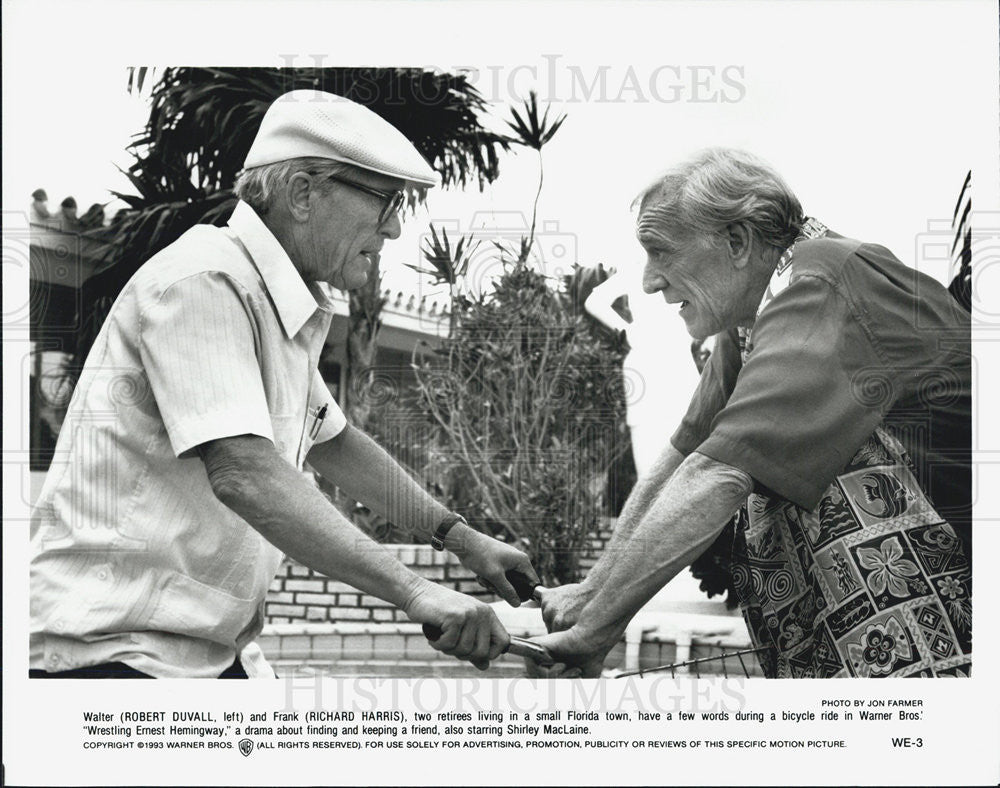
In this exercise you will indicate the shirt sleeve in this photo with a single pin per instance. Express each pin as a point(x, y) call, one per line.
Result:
point(803, 403)
point(197, 346)
point(716, 384)
point(322, 401)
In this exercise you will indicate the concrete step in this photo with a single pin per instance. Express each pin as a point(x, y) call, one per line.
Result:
point(397, 669)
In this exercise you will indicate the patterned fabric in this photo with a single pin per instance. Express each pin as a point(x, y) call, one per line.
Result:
point(873, 583)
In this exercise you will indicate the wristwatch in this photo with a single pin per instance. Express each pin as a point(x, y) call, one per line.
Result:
point(437, 541)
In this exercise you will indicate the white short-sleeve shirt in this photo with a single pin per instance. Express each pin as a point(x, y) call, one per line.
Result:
point(134, 559)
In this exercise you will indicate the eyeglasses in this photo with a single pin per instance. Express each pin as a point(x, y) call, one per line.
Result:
point(393, 200)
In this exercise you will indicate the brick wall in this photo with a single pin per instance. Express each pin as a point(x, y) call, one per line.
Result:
point(390, 650)
point(299, 594)
point(597, 542)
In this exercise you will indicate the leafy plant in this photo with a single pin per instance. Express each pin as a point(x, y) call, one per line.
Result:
point(529, 401)
point(363, 323)
point(526, 394)
point(447, 266)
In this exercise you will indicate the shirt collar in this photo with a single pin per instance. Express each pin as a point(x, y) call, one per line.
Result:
point(294, 300)
point(782, 276)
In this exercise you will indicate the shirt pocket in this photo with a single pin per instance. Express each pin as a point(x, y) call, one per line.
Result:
point(193, 609)
point(324, 418)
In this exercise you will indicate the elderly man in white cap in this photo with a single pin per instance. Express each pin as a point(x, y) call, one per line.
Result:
point(156, 537)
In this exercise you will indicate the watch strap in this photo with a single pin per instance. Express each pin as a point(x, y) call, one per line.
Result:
point(441, 532)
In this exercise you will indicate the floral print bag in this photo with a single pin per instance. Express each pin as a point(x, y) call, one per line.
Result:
point(873, 583)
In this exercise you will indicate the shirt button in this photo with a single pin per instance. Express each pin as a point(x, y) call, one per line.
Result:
point(54, 659)
point(59, 625)
point(102, 575)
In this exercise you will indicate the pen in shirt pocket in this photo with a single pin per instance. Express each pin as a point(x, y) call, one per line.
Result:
point(317, 423)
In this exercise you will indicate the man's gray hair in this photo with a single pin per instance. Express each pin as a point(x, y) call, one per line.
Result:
point(718, 187)
point(258, 186)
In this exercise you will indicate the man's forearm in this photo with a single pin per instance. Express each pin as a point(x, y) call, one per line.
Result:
point(678, 525)
point(367, 473)
point(288, 511)
point(644, 494)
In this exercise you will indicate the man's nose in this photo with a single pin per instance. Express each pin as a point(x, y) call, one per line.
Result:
point(652, 281)
point(392, 227)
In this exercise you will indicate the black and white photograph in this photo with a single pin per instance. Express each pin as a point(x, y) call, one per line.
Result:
point(557, 376)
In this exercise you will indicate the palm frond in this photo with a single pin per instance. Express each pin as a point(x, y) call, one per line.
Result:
point(530, 130)
point(137, 77)
point(209, 117)
point(447, 265)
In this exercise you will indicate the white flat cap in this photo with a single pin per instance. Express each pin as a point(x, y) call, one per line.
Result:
point(314, 123)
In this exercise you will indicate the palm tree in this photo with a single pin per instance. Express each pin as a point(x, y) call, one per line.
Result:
point(201, 124)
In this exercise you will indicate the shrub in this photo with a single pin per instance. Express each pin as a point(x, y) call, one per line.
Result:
point(530, 404)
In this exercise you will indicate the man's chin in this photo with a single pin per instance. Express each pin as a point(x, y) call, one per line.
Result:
point(355, 274)
point(353, 282)
point(692, 328)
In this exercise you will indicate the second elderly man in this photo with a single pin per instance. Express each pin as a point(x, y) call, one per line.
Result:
point(833, 419)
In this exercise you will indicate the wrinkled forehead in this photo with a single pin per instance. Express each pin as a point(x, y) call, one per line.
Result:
point(656, 223)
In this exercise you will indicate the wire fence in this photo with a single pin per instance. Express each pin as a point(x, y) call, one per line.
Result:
point(724, 658)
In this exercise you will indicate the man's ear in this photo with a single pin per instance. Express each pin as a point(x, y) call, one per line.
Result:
point(739, 244)
point(298, 191)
